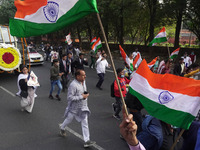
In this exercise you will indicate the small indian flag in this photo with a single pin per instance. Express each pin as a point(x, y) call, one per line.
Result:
point(160, 37)
point(125, 57)
point(172, 99)
point(37, 17)
point(68, 39)
point(137, 61)
point(152, 63)
point(97, 45)
point(93, 40)
point(174, 54)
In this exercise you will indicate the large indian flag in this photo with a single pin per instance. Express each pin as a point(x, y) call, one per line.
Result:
point(160, 37)
point(125, 57)
point(172, 99)
point(37, 17)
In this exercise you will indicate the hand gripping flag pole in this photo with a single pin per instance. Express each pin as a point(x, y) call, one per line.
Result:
point(112, 63)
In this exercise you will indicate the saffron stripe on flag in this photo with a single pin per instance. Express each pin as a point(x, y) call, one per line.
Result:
point(170, 82)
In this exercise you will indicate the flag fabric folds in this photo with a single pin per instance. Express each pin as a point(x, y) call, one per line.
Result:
point(160, 37)
point(137, 61)
point(125, 57)
point(37, 17)
point(152, 63)
point(174, 54)
point(93, 40)
point(172, 99)
point(96, 45)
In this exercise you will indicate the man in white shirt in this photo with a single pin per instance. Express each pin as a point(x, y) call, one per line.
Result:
point(101, 69)
point(135, 53)
point(130, 58)
point(187, 60)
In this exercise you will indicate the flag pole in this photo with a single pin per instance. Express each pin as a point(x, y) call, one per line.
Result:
point(112, 63)
point(178, 138)
point(168, 50)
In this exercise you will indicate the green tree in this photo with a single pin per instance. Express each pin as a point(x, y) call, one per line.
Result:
point(192, 17)
point(7, 10)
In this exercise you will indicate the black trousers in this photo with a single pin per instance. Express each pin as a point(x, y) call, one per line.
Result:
point(117, 105)
point(101, 79)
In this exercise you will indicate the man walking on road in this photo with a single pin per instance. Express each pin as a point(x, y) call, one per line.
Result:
point(77, 106)
point(55, 77)
point(101, 69)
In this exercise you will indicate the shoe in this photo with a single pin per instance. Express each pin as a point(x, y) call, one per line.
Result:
point(62, 132)
point(113, 107)
point(117, 117)
point(58, 97)
point(89, 143)
point(99, 88)
point(51, 97)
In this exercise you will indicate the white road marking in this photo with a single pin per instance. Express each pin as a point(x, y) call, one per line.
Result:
point(81, 137)
point(67, 128)
point(7, 91)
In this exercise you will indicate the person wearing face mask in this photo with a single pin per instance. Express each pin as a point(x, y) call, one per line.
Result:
point(123, 81)
point(55, 78)
point(193, 57)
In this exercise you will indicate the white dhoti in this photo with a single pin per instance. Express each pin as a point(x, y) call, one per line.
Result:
point(28, 103)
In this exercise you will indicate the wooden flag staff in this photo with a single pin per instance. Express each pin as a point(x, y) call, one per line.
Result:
point(112, 63)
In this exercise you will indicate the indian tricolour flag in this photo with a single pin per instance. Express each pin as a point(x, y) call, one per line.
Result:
point(152, 63)
point(37, 17)
point(93, 40)
point(172, 99)
point(137, 61)
point(160, 37)
point(174, 54)
point(125, 57)
point(96, 45)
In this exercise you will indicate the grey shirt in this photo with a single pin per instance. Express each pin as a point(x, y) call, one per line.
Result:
point(76, 104)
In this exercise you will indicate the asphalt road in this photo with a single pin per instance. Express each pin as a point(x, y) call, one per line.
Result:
point(39, 130)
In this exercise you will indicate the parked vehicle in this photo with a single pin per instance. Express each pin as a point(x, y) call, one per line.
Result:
point(34, 57)
point(10, 56)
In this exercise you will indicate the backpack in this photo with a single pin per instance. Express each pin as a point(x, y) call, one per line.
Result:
point(112, 93)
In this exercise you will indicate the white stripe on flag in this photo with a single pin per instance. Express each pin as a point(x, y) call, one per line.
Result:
point(142, 86)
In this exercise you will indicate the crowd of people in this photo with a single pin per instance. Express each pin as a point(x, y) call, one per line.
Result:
point(67, 72)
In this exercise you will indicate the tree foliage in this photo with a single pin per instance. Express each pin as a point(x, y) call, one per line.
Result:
point(7, 10)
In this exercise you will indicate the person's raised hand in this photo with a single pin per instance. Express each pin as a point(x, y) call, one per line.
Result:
point(128, 129)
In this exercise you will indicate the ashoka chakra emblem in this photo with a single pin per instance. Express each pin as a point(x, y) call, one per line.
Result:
point(165, 97)
point(51, 11)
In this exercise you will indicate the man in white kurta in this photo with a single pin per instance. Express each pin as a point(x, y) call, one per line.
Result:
point(77, 106)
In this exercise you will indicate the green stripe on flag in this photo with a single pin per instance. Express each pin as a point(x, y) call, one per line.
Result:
point(158, 40)
point(20, 28)
point(173, 56)
point(99, 46)
point(159, 111)
point(131, 67)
